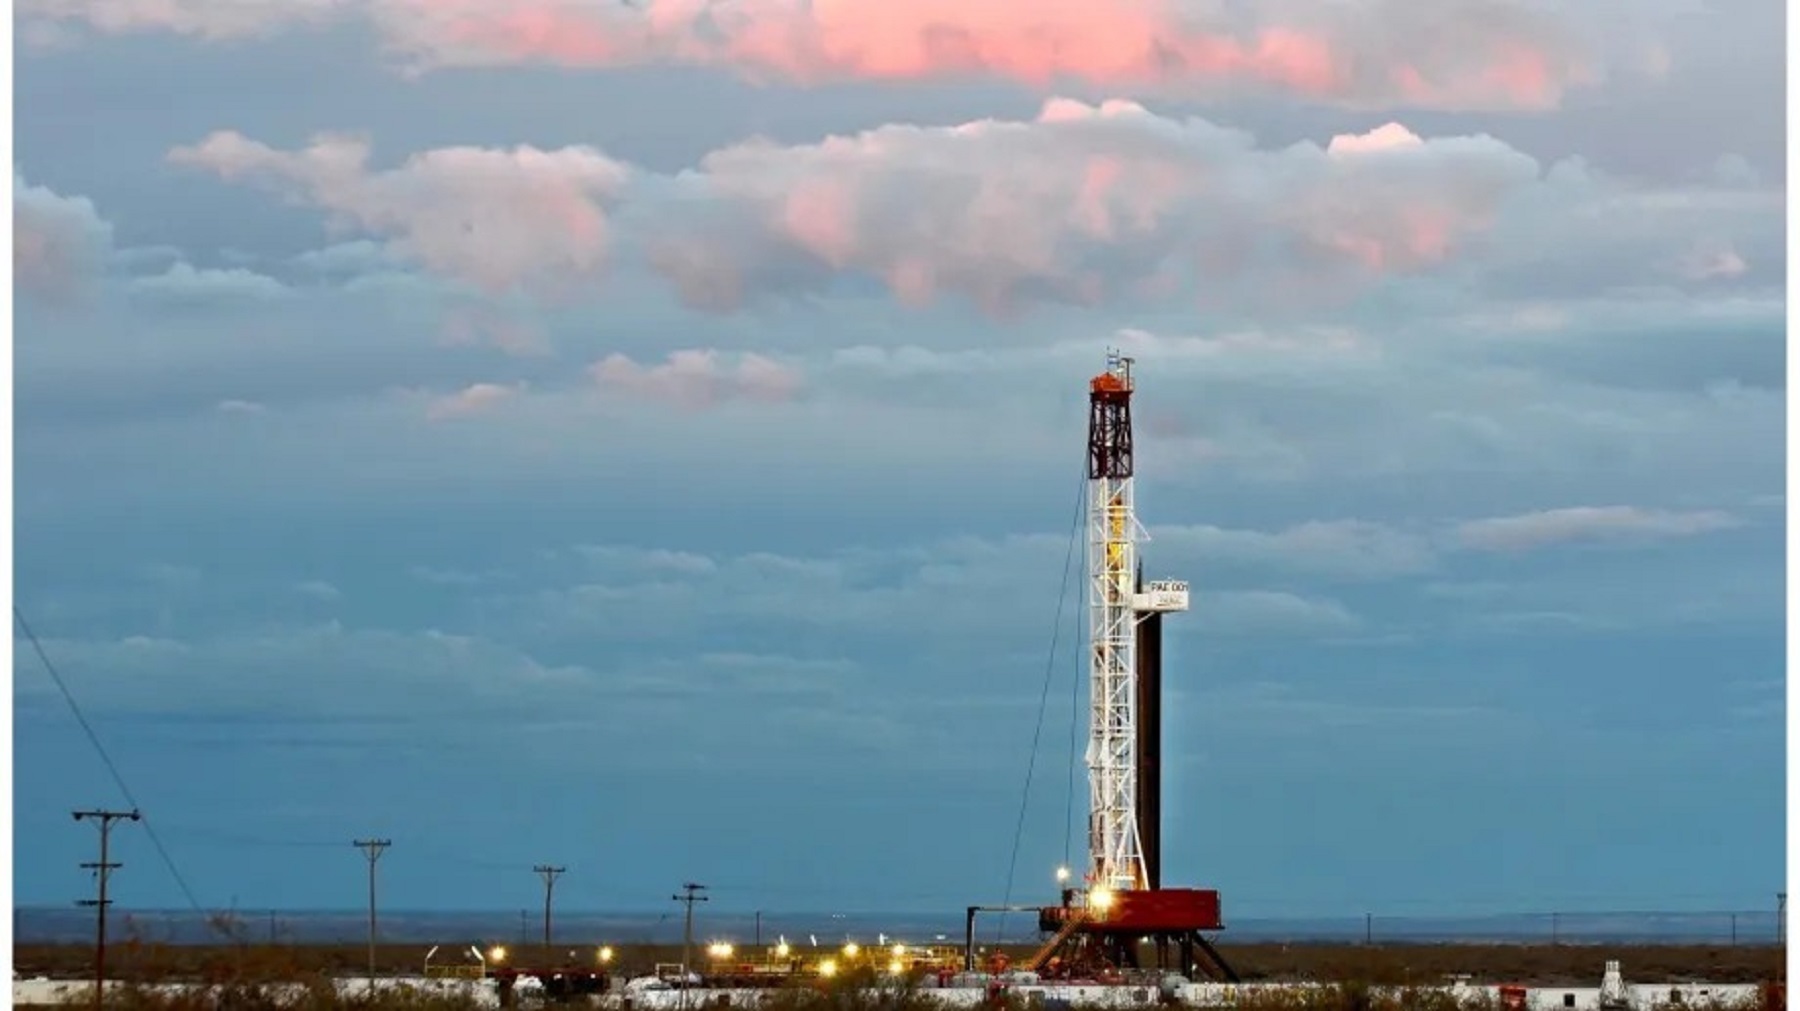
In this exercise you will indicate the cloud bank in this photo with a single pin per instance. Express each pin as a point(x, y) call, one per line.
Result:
point(1453, 54)
point(497, 218)
point(697, 379)
point(1530, 531)
point(1083, 204)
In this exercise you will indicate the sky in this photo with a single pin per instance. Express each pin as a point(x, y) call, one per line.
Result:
point(644, 437)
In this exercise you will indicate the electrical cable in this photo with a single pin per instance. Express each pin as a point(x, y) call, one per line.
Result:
point(106, 759)
point(214, 837)
point(1037, 732)
point(1074, 761)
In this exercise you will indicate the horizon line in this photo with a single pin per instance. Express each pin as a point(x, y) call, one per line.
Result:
point(261, 910)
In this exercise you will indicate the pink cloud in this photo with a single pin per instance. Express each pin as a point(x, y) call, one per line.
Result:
point(1085, 203)
point(1387, 137)
point(500, 219)
point(474, 324)
point(697, 379)
point(473, 399)
point(1456, 53)
point(59, 243)
point(1711, 259)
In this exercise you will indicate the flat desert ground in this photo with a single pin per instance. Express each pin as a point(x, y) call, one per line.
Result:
point(1541, 965)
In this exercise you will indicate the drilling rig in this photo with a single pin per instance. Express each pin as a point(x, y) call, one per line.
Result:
point(1098, 930)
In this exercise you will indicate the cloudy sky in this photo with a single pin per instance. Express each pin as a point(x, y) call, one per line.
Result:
point(643, 435)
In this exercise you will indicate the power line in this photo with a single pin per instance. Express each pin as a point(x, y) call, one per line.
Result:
point(198, 835)
point(106, 759)
point(1074, 747)
point(208, 836)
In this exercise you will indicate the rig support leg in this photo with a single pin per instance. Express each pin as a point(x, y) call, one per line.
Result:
point(1225, 972)
point(969, 940)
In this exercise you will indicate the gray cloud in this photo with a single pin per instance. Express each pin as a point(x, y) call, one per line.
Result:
point(1588, 523)
point(439, 687)
point(60, 243)
point(1229, 417)
point(210, 19)
point(183, 284)
point(496, 218)
point(1664, 341)
point(828, 646)
point(696, 379)
point(1330, 548)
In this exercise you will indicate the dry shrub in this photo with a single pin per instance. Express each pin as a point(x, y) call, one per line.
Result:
point(320, 995)
point(852, 992)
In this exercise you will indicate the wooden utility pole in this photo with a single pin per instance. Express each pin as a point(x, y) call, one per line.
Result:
point(102, 870)
point(372, 849)
point(691, 895)
point(549, 874)
point(1781, 942)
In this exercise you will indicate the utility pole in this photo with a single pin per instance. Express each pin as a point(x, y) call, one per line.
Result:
point(102, 870)
point(1781, 938)
point(759, 928)
point(1368, 929)
point(549, 874)
point(692, 896)
point(372, 849)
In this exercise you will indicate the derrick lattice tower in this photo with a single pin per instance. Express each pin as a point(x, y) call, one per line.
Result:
point(1101, 928)
point(1117, 604)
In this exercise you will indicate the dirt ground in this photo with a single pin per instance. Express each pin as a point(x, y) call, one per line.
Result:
point(1392, 963)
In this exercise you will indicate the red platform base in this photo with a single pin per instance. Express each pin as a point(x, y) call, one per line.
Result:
point(1163, 911)
point(1105, 941)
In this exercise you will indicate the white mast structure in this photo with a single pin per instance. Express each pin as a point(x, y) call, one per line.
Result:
point(1115, 603)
